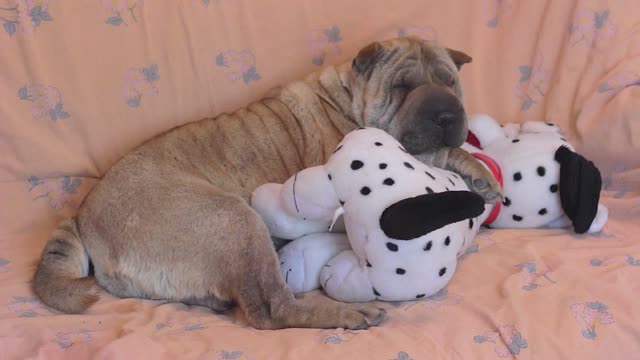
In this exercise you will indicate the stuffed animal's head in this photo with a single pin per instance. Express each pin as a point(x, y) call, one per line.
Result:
point(544, 178)
point(371, 172)
point(405, 220)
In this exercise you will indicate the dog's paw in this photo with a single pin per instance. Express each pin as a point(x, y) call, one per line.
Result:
point(486, 186)
point(361, 317)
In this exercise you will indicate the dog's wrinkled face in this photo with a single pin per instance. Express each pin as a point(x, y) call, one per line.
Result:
point(411, 89)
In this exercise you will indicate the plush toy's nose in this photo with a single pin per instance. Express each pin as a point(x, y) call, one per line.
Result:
point(414, 217)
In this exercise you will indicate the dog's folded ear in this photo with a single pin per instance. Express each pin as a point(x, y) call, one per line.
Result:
point(366, 57)
point(414, 217)
point(459, 58)
point(580, 185)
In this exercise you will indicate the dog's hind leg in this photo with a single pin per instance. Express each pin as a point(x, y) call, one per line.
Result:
point(263, 295)
point(211, 302)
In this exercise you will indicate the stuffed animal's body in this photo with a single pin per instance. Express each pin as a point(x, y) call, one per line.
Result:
point(406, 222)
point(545, 183)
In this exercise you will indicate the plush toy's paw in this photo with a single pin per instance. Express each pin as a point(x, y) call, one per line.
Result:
point(292, 268)
point(302, 260)
point(344, 279)
point(482, 182)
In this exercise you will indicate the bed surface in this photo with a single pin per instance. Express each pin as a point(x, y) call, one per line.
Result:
point(81, 83)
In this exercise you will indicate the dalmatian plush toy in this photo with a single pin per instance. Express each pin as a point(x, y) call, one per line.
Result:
point(545, 183)
point(406, 222)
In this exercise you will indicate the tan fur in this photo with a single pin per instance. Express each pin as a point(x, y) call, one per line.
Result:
point(171, 220)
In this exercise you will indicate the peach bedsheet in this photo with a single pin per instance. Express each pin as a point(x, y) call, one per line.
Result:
point(82, 82)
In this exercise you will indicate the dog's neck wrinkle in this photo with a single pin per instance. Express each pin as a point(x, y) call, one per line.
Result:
point(338, 93)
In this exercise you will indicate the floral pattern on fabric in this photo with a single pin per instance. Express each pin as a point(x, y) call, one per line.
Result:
point(66, 340)
point(533, 83)
point(507, 340)
point(23, 15)
point(27, 306)
point(590, 27)
point(238, 65)
point(46, 101)
point(58, 191)
point(139, 82)
point(590, 314)
point(533, 276)
point(122, 12)
point(324, 43)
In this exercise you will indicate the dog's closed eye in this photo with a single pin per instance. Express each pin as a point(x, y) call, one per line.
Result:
point(445, 76)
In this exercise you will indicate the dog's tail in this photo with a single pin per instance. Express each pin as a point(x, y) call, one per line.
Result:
point(62, 279)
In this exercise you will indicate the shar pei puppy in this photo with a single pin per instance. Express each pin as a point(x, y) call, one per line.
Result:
point(171, 220)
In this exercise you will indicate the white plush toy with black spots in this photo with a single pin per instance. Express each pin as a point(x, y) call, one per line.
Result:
point(545, 183)
point(405, 226)
point(406, 222)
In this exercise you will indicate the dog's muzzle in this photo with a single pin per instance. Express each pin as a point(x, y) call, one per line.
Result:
point(434, 117)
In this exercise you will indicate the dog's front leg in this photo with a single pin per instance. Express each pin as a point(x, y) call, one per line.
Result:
point(477, 177)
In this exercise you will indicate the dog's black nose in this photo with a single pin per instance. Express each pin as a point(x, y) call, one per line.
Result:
point(444, 119)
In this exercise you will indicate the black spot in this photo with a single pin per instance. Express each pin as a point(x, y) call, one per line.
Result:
point(429, 175)
point(388, 181)
point(341, 202)
point(378, 143)
point(420, 296)
point(506, 201)
point(392, 247)
point(517, 218)
point(356, 164)
point(329, 176)
point(400, 271)
point(470, 223)
point(365, 191)
point(517, 176)
point(403, 149)
point(553, 188)
point(447, 241)
point(339, 147)
point(428, 246)
point(515, 141)
point(446, 188)
point(542, 211)
point(368, 263)
point(451, 181)
point(541, 170)
point(429, 190)
point(408, 165)
point(360, 128)
point(375, 292)
point(382, 166)
point(442, 271)
point(563, 139)
point(550, 124)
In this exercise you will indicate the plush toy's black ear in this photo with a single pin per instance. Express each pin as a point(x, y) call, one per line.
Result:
point(411, 218)
point(580, 184)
